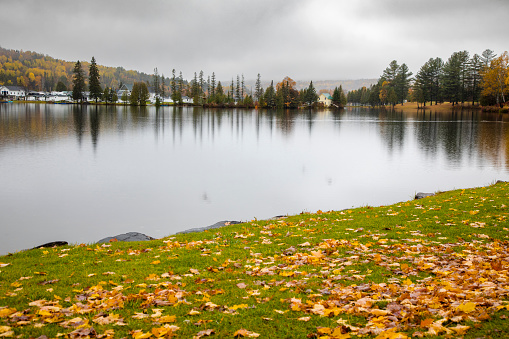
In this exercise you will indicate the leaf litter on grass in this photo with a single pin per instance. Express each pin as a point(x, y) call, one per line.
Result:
point(436, 267)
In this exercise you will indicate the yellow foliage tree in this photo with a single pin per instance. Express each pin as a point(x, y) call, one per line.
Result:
point(495, 78)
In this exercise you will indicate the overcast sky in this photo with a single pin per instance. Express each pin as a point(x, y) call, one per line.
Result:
point(304, 39)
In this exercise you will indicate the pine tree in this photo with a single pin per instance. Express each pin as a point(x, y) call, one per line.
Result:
point(237, 90)
point(78, 82)
point(113, 95)
point(342, 96)
point(180, 88)
point(270, 96)
point(219, 94)
point(242, 87)
point(173, 87)
point(336, 98)
point(93, 81)
point(474, 75)
point(311, 97)
point(212, 92)
point(258, 88)
point(155, 83)
point(163, 85)
point(403, 79)
point(202, 82)
point(106, 95)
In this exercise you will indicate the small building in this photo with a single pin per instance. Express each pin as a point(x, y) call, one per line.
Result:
point(187, 100)
point(124, 89)
point(12, 92)
point(325, 99)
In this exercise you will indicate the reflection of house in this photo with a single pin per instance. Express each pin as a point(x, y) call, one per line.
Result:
point(325, 99)
point(12, 92)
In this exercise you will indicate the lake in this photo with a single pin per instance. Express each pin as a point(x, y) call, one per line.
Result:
point(80, 174)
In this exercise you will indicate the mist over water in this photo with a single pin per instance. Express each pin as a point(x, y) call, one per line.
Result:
point(80, 174)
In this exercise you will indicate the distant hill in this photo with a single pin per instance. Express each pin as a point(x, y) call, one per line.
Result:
point(42, 72)
point(327, 85)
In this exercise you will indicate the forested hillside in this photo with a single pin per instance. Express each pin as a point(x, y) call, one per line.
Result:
point(40, 72)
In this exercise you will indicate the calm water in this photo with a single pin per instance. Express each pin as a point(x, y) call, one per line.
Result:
point(81, 174)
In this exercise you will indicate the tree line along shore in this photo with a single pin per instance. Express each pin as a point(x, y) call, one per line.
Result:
point(480, 80)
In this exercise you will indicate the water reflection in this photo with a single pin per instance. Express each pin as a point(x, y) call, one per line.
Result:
point(162, 170)
point(458, 135)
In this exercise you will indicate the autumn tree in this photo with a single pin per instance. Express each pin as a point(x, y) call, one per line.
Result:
point(94, 85)
point(495, 80)
point(78, 82)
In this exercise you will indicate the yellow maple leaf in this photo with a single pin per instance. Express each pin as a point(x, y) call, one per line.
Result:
point(141, 335)
point(155, 262)
point(4, 329)
point(459, 329)
point(467, 307)
point(167, 319)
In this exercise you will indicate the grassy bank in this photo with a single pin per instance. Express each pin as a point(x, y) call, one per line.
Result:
point(436, 267)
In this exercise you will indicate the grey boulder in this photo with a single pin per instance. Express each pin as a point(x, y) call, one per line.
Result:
point(421, 195)
point(218, 224)
point(131, 236)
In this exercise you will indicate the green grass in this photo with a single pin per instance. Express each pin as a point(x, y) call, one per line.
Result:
point(436, 267)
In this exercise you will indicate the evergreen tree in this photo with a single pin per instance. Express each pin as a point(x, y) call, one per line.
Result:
point(106, 95)
point(391, 72)
point(487, 56)
point(402, 82)
point(342, 96)
point(173, 87)
point(310, 95)
point(336, 97)
point(212, 92)
point(258, 88)
point(195, 90)
point(232, 91)
point(270, 96)
point(78, 82)
point(155, 83)
point(219, 94)
point(139, 94)
point(474, 74)
point(202, 82)
point(163, 85)
point(125, 97)
point(242, 87)
point(94, 84)
point(113, 95)
point(392, 98)
point(180, 87)
point(61, 87)
point(237, 90)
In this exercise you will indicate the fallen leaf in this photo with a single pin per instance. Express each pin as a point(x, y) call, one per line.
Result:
point(204, 333)
point(245, 333)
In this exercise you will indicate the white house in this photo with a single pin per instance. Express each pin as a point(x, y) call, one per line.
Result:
point(187, 100)
point(12, 92)
point(325, 99)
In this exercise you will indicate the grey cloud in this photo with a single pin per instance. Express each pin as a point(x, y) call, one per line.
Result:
point(306, 39)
